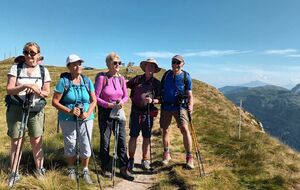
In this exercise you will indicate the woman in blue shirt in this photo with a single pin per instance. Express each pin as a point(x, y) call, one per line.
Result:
point(75, 100)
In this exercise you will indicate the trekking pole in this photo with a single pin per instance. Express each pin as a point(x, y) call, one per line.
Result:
point(115, 157)
point(196, 147)
point(77, 153)
point(93, 155)
point(25, 116)
point(149, 126)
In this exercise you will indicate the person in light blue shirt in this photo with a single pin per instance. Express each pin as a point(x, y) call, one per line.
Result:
point(177, 101)
point(74, 97)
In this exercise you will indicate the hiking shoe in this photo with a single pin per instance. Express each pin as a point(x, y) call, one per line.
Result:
point(86, 177)
point(130, 165)
point(190, 162)
point(40, 172)
point(126, 174)
point(106, 173)
point(13, 178)
point(146, 164)
point(166, 158)
point(72, 173)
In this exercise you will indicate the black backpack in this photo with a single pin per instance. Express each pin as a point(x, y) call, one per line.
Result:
point(8, 99)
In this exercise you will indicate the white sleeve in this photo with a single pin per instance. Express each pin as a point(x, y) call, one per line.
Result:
point(13, 70)
point(47, 75)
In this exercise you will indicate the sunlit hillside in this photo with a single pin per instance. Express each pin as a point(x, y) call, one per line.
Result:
point(255, 161)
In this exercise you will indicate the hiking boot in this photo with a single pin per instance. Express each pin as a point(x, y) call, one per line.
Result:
point(72, 173)
point(39, 173)
point(106, 173)
point(146, 164)
point(13, 178)
point(126, 174)
point(190, 162)
point(86, 177)
point(130, 164)
point(166, 158)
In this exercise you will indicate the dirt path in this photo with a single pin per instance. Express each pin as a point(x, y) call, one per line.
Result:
point(142, 179)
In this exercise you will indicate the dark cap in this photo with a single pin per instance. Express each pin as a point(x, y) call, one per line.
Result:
point(179, 58)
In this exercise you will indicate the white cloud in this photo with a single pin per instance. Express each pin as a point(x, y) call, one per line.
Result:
point(159, 54)
point(286, 52)
point(208, 53)
point(294, 55)
point(214, 53)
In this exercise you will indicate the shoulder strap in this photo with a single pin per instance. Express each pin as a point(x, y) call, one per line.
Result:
point(185, 80)
point(19, 68)
point(86, 82)
point(66, 77)
point(162, 88)
point(42, 71)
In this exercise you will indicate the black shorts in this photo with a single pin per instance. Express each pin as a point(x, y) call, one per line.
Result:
point(139, 122)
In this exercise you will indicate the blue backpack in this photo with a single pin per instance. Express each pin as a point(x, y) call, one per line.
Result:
point(67, 81)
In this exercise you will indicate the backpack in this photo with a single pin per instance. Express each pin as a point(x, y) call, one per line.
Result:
point(67, 81)
point(105, 81)
point(139, 80)
point(8, 99)
point(170, 72)
point(42, 71)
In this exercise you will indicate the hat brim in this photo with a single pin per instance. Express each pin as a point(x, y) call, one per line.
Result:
point(143, 66)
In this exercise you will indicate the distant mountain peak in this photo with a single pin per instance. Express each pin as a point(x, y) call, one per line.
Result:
point(296, 89)
point(255, 83)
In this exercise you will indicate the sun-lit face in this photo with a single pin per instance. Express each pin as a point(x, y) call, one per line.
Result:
point(150, 68)
point(115, 64)
point(177, 65)
point(32, 55)
point(75, 67)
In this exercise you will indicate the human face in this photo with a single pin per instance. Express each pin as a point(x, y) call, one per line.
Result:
point(115, 64)
point(177, 65)
point(75, 67)
point(150, 68)
point(32, 55)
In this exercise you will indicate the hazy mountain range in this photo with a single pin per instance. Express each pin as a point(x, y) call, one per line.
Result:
point(276, 107)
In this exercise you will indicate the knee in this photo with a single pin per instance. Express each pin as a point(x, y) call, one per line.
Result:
point(165, 131)
point(184, 130)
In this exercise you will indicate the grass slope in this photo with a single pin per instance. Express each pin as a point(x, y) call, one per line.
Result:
point(256, 161)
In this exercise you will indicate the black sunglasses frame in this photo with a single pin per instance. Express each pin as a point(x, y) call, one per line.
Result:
point(117, 63)
point(31, 53)
point(176, 62)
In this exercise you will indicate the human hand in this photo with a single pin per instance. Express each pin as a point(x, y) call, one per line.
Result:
point(148, 100)
point(190, 108)
point(84, 115)
point(32, 88)
point(76, 111)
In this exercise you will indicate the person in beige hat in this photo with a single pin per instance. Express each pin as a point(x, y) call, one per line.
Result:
point(177, 101)
point(145, 92)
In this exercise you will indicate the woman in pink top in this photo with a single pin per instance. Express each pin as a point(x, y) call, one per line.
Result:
point(110, 88)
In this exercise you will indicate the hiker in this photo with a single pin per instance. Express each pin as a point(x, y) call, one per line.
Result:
point(74, 97)
point(145, 91)
point(176, 92)
point(28, 83)
point(111, 92)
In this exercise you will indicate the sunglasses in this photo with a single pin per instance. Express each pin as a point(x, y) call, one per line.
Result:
point(117, 63)
point(30, 52)
point(176, 62)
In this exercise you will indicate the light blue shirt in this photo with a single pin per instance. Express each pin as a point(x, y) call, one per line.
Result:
point(76, 94)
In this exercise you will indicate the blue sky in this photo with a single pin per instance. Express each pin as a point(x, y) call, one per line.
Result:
point(224, 42)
